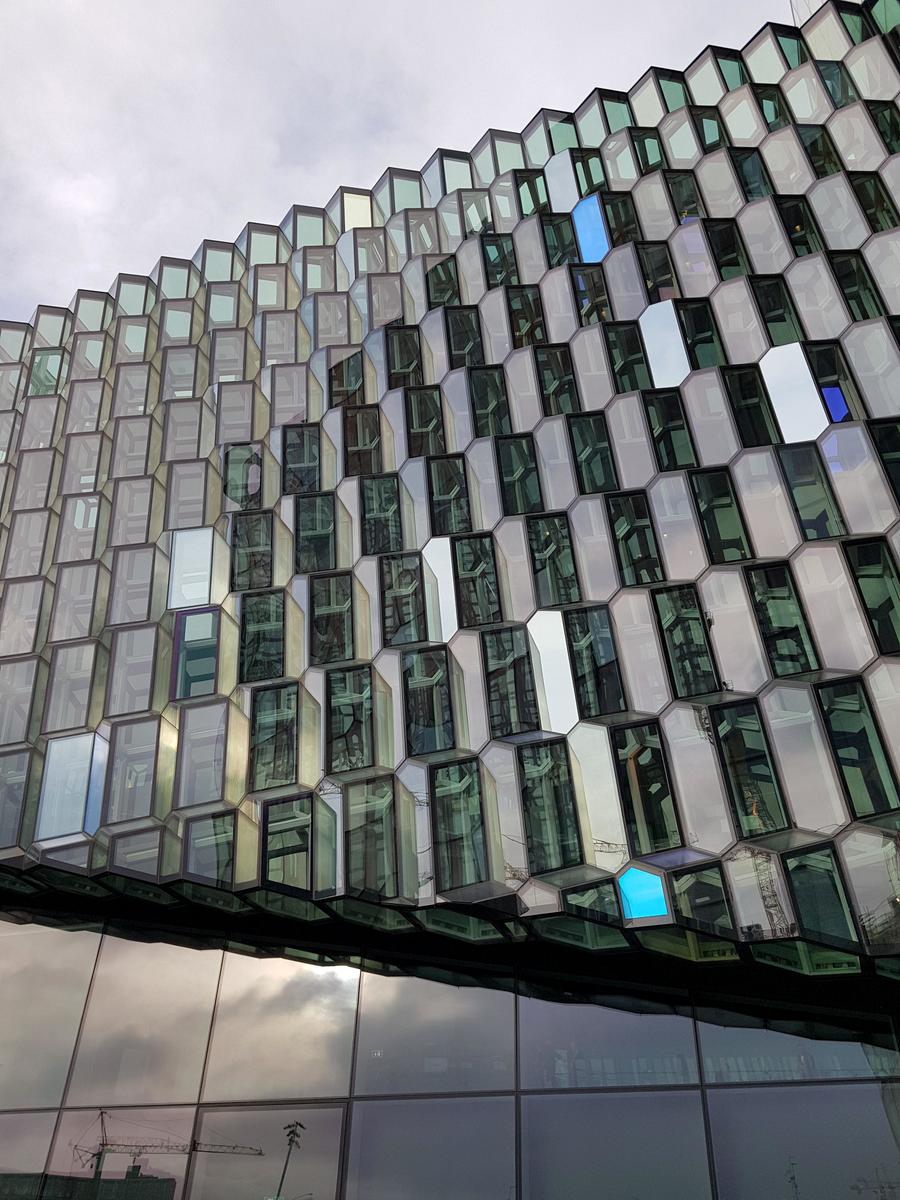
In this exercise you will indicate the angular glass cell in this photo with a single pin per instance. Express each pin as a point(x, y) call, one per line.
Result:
point(548, 804)
point(349, 730)
point(402, 599)
point(782, 624)
point(595, 667)
point(273, 737)
point(651, 818)
point(816, 508)
point(636, 547)
point(683, 632)
point(509, 680)
point(858, 748)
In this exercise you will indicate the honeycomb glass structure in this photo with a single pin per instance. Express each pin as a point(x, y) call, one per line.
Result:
point(501, 564)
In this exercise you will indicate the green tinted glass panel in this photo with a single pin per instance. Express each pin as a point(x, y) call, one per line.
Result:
point(858, 748)
point(350, 734)
point(626, 358)
point(331, 618)
point(490, 407)
point(371, 850)
point(209, 852)
point(424, 422)
point(621, 219)
point(559, 239)
point(727, 248)
point(751, 407)
point(683, 631)
point(499, 259)
point(720, 518)
point(592, 452)
point(635, 540)
point(875, 201)
point(512, 699)
point(300, 469)
point(650, 816)
point(548, 803)
point(526, 316)
point(855, 282)
point(799, 225)
point(751, 173)
point(196, 651)
point(820, 150)
point(886, 437)
point(879, 589)
point(459, 838)
point(464, 348)
point(556, 379)
point(273, 737)
point(314, 542)
point(402, 599)
point(362, 440)
point(669, 431)
point(753, 788)
point(552, 561)
point(781, 622)
point(426, 689)
point(251, 551)
point(520, 488)
point(441, 283)
point(449, 495)
point(288, 842)
point(685, 196)
point(595, 666)
point(380, 509)
point(814, 503)
point(476, 580)
point(776, 309)
point(819, 896)
point(262, 637)
point(404, 361)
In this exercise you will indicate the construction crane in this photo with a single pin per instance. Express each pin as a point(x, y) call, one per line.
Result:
point(113, 1145)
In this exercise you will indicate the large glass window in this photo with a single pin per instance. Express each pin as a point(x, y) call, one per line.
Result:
point(753, 786)
point(683, 629)
point(511, 694)
point(595, 665)
point(273, 737)
point(751, 407)
point(314, 533)
point(331, 618)
point(876, 580)
point(626, 357)
point(548, 803)
point(402, 599)
point(552, 561)
point(636, 550)
point(448, 495)
point(559, 239)
point(426, 691)
point(720, 517)
point(858, 748)
point(659, 274)
point(685, 196)
point(520, 487)
point(816, 508)
point(251, 551)
point(669, 430)
point(350, 735)
point(380, 512)
point(490, 406)
point(781, 621)
point(300, 469)
point(262, 637)
point(592, 453)
point(649, 805)
point(476, 580)
point(459, 837)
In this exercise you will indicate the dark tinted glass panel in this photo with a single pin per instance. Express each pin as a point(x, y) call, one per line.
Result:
point(819, 896)
point(556, 379)
point(647, 799)
point(441, 283)
point(658, 272)
point(836, 383)
point(411, 1148)
point(350, 733)
point(273, 737)
point(242, 481)
point(751, 173)
point(512, 700)
point(526, 316)
point(592, 453)
point(424, 422)
point(362, 440)
point(683, 629)
point(635, 541)
point(879, 589)
point(776, 309)
point(669, 430)
point(490, 408)
point(459, 835)
point(196, 651)
point(753, 787)
point(887, 122)
point(381, 531)
point(288, 827)
point(772, 106)
point(520, 488)
point(404, 364)
point(815, 506)
point(345, 381)
point(548, 802)
point(886, 436)
point(262, 637)
point(499, 259)
point(331, 637)
point(591, 300)
point(552, 561)
point(799, 225)
point(251, 551)
point(559, 239)
point(314, 539)
point(710, 129)
point(858, 748)
point(563, 1158)
point(751, 407)
point(429, 715)
point(685, 196)
point(621, 219)
point(838, 83)
point(595, 667)
point(781, 622)
point(449, 496)
point(433, 1037)
point(476, 580)
point(300, 469)
point(727, 248)
point(402, 599)
point(855, 282)
point(626, 358)
point(464, 348)
point(820, 150)
point(720, 517)
point(371, 852)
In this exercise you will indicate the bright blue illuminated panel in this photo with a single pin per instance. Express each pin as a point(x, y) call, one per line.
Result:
point(643, 894)
point(590, 229)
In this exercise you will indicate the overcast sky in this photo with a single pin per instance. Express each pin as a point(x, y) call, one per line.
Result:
point(130, 129)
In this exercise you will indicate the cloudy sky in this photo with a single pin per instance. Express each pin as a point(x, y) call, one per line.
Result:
point(130, 130)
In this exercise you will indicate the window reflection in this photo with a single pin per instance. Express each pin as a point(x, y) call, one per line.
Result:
point(24, 1142)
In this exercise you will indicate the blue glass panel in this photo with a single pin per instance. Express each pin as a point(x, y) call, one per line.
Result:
point(643, 894)
point(835, 403)
point(590, 229)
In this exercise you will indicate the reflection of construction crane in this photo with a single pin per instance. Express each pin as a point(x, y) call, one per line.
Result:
point(112, 1145)
point(878, 1185)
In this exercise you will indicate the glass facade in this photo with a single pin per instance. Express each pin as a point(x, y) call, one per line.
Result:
point(408, 605)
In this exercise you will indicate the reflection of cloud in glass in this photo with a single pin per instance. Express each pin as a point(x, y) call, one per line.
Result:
point(283, 1029)
point(43, 985)
point(416, 1035)
point(24, 1142)
point(312, 1168)
point(146, 1026)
